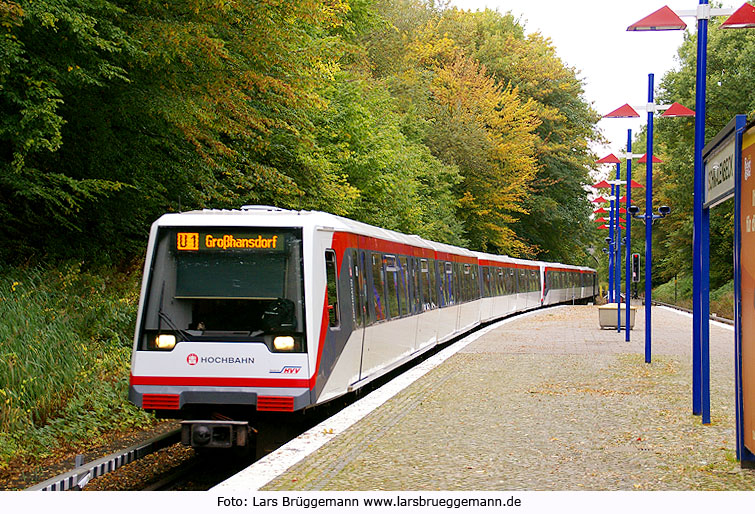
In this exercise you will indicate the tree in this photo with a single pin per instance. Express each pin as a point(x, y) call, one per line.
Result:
point(730, 75)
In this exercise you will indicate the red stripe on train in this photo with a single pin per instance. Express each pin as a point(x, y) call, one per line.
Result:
point(220, 381)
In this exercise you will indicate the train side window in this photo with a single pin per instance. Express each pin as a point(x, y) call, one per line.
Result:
point(466, 279)
point(450, 283)
point(476, 292)
point(458, 284)
point(378, 284)
point(424, 284)
point(416, 284)
point(432, 275)
point(391, 280)
point(354, 286)
point(358, 289)
point(334, 317)
point(444, 285)
point(403, 286)
point(461, 283)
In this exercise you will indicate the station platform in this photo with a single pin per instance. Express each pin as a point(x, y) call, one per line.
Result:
point(542, 401)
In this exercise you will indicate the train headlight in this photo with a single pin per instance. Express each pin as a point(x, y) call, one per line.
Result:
point(165, 341)
point(284, 343)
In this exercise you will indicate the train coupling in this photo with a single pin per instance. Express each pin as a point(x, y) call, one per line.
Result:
point(215, 433)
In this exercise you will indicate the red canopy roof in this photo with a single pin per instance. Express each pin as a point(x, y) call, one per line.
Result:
point(622, 210)
point(636, 184)
point(603, 226)
point(677, 109)
point(743, 18)
point(602, 183)
point(609, 159)
point(599, 199)
point(600, 211)
point(662, 19)
point(601, 220)
point(625, 111)
point(644, 160)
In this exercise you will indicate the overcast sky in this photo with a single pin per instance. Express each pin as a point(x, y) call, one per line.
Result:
point(591, 36)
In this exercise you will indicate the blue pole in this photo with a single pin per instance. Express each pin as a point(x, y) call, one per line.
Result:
point(699, 308)
point(649, 224)
point(617, 246)
point(610, 248)
point(628, 273)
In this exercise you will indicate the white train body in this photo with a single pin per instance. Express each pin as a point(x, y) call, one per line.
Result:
point(263, 309)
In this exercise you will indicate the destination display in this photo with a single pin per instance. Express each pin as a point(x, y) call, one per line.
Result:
point(221, 242)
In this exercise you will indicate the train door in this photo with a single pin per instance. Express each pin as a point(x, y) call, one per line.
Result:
point(359, 296)
point(377, 310)
point(541, 274)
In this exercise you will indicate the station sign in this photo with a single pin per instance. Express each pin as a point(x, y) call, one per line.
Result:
point(719, 174)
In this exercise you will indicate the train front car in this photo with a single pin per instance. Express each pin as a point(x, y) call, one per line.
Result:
point(222, 329)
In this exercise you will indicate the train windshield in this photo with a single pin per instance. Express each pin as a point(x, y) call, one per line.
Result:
point(239, 284)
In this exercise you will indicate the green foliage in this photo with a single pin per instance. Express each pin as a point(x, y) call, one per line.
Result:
point(64, 356)
point(397, 113)
point(721, 298)
point(729, 92)
point(505, 111)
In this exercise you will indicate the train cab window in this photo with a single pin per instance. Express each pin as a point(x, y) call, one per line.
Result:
point(331, 276)
point(217, 284)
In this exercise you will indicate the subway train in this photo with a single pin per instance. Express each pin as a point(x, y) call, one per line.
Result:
point(259, 310)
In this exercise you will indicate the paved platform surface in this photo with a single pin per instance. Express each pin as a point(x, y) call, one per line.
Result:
point(548, 402)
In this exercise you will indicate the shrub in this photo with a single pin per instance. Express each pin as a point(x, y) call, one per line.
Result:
point(64, 356)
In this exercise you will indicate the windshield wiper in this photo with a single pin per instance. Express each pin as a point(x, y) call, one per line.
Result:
point(162, 316)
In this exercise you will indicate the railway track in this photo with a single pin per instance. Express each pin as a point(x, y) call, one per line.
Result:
point(79, 477)
point(712, 316)
point(163, 463)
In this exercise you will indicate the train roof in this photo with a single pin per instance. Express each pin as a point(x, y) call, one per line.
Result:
point(268, 216)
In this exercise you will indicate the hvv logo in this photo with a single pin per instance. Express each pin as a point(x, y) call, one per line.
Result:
point(287, 370)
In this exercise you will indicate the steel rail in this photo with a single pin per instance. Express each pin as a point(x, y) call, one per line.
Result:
point(77, 478)
point(713, 317)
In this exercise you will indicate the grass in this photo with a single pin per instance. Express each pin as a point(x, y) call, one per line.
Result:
point(721, 299)
point(65, 345)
